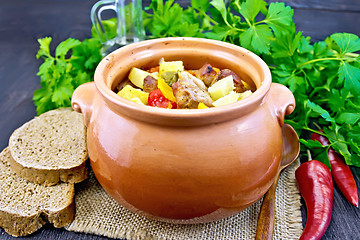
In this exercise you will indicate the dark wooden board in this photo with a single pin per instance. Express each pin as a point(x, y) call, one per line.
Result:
point(320, 19)
point(22, 22)
point(329, 5)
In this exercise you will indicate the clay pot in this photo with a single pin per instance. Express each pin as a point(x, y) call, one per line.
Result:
point(184, 165)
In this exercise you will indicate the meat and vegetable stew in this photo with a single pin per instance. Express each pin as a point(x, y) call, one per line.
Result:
point(169, 85)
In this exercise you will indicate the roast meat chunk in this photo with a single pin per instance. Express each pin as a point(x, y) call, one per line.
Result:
point(150, 83)
point(207, 74)
point(189, 91)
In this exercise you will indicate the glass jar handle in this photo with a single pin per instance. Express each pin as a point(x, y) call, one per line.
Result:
point(96, 19)
point(129, 27)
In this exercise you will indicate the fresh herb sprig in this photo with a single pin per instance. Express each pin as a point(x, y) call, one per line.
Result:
point(61, 74)
point(323, 76)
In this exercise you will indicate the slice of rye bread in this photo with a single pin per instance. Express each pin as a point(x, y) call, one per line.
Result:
point(26, 206)
point(51, 148)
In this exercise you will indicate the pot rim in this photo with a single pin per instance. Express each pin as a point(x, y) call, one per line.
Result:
point(184, 117)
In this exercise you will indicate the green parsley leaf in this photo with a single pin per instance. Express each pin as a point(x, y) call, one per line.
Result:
point(338, 142)
point(347, 42)
point(250, 9)
point(305, 45)
point(170, 20)
point(64, 47)
point(44, 47)
point(279, 17)
point(62, 93)
point(355, 160)
point(200, 4)
point(43, 69)
point(220, 6)
point(348, 117)
point(42, 99)
point(319, 151)
point(336, 100)
point(311, 143)
point(319, 110)
point(257, 38)
point(350, 75)
point(218, 33)
point(295, 83)
point(59, 76)
point(286, 45)
point(86, 56)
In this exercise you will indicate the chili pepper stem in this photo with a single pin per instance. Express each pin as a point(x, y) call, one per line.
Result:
point(309, 155)
point(317, 126)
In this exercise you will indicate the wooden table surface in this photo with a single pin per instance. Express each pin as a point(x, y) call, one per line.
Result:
point(22, 22)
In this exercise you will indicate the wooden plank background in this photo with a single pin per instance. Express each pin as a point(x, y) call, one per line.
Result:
point(22, 22)
point(319, 19)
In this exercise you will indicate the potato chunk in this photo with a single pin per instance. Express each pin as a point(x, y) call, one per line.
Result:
point(230, 98)
point(133, 94)
point(221, 88)
point(137, 76)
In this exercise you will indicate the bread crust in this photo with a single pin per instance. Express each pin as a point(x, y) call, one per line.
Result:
point(39, 139)
point(16, 220)
point(18, 225)
point(50, 177)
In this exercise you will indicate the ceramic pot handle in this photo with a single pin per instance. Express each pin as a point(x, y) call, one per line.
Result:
point(284, 101)
point(82, 100)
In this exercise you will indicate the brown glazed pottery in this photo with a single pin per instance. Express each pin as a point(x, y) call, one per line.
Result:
point(184, 165)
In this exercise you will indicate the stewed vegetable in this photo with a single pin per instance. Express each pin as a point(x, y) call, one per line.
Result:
point(169, 85)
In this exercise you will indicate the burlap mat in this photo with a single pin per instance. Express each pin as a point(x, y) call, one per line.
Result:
point(98, 214)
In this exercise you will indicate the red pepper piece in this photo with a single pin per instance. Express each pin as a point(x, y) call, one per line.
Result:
point(340, 171)
point(316, 187)
point(157, 99)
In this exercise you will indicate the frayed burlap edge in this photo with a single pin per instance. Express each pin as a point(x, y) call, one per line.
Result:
point(291, 213)
point(99, 214)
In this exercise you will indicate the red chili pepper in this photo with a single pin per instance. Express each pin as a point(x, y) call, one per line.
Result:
point(157, 99)
point(316, 187)
point(340, 171)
